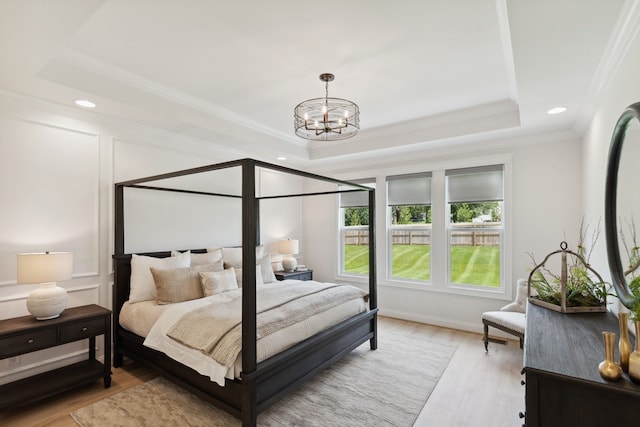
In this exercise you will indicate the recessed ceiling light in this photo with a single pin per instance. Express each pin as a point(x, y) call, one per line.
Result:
point(85, 103)
point(557, 110)
point(281, 158)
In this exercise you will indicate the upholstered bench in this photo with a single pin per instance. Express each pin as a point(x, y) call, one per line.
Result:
point(510, 318)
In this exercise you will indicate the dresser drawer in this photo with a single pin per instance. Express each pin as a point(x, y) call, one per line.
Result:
point(77, 331)
point(29, 341)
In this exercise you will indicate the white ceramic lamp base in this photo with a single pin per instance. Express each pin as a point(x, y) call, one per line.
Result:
point(47, 302)
point(289, 263)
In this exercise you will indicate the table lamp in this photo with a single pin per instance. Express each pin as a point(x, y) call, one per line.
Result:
point(48, 301)
point(288, 248)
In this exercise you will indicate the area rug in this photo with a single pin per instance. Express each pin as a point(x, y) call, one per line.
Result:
point(385, 387)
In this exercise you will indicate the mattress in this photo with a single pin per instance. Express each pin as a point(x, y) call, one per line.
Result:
point(153, 321)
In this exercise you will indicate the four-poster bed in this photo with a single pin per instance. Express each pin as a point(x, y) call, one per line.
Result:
point(260, 383)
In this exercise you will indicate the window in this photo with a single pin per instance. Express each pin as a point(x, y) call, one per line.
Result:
point(409, 226)
point(475, 228)
point(354, 230)
point(442, 230)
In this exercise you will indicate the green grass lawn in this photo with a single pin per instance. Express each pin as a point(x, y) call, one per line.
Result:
point(471, 265)
point(476, 265)
point(412, 262)
point(356, 259)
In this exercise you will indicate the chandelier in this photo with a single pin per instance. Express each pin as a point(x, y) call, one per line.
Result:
point(326, 119)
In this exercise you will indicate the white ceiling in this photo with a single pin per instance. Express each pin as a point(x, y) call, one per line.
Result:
point(424, 72)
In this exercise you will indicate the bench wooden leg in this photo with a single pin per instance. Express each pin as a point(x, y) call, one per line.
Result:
point(486, 337)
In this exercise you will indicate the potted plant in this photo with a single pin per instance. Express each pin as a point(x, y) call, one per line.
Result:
point(633, 256)
point(577, 287)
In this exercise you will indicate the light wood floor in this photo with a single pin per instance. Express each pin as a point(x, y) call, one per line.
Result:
point(477, 389)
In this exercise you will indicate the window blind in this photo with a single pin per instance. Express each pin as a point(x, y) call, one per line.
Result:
point(478, 184)
point(413, 189)
point(356, 199)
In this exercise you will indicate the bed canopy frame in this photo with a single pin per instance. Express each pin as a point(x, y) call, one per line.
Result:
point(260, 384)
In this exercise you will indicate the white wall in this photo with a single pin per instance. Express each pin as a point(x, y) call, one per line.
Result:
point(622, 91)
point(546, 208)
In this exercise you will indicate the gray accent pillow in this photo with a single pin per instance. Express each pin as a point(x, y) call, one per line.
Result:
point(180, 284)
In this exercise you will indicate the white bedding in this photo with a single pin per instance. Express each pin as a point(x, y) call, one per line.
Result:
point(153, 321)
point(139, 317)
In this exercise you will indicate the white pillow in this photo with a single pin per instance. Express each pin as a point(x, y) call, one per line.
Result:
point(259, 280)
point(215, 282)
point(208, 257)
point(520, 302)
point(217, 253)
point(267, 271)
point(276, 263)
point(143, 287)
point(233, 256)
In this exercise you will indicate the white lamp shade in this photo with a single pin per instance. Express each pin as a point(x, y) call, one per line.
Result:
point(44, 267)
point(48, 301)
point(288, 247)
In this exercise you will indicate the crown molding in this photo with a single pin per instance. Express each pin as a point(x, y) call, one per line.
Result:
point(625, 32)
point(74, 59)
point(461, 123)
point(507, 46)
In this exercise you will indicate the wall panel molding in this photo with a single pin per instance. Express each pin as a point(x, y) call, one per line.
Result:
point(51, 193)
point(22, 296)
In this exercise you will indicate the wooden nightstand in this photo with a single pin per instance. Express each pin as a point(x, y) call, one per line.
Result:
point(26, 334)
point(297, 275)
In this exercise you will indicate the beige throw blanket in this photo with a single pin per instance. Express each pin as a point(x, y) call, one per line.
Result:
point(216, 329)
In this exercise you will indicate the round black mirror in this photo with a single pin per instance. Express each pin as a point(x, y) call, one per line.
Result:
point(618, 277)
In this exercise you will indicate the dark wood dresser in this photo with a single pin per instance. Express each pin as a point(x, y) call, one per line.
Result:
point(562, 384)
point(25, 334)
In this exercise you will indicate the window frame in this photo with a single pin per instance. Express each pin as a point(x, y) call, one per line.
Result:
point(439, 239)
point(368, 182)
point(409, 198)
point(492, 195)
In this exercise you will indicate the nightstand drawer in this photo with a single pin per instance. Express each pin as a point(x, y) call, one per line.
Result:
point(294, 275)
point(27, 342)
point(20, 335)
point(303, 275)
point(77, 331)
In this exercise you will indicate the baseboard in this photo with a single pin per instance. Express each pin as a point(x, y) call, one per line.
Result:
point(444, 323)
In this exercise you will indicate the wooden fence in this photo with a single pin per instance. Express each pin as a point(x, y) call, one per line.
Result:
point(411, 236)
point(358, 235)
point(422, 236)
point(475, 238)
